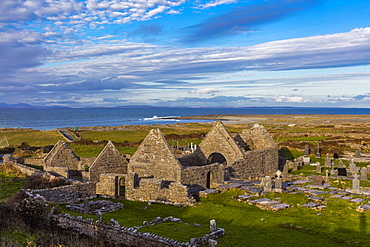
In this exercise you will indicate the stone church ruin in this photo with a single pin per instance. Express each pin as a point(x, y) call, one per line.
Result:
point(155, 173)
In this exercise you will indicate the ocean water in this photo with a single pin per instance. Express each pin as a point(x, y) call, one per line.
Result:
point(44, 119)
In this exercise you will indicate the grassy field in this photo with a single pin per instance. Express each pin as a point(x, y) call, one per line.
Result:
point(10, 183)
point(33, 137)
point(247, 225)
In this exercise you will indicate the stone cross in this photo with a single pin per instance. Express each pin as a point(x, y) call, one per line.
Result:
point(326, 174)
point(363, 175)
point(332, 171)
point(267, 185)
point(318, 167)
point(278, 182)
point(356, 184)
point(212, 226)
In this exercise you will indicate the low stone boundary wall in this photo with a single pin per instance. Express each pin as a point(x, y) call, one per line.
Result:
point(33, 161)
point(123, 236)
point(66, 194)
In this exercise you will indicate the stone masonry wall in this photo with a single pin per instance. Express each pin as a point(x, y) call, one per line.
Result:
point(152, 189)
point(110, 160)
point(62, 171)
point(155, 158)
point(256, 164)
point(218, 140)
point(62, 156)
point(197, 175)
point(123, 236)
point(33, 161)
point(108, 184)
point(67, 193)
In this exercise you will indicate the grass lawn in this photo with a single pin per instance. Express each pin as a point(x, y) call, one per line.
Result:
point(10, 183)
point(247, 225)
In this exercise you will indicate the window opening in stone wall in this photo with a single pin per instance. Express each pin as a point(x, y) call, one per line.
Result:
point(217, 158)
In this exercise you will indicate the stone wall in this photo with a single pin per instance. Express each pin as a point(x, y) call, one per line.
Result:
point(33, 161)
point(110, 160)
point(155, 158)
point(256, 164)
point(62, 156)
point(199, 175)
point(153, 189)
point(257, 137)
point(123, 236)
point(62, 171)
point(109, 184)
point(219, 140)
point(68, 193)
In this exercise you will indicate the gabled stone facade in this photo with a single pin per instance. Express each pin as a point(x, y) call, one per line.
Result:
point(154, 158)
point(110, 160)
point(61, 159)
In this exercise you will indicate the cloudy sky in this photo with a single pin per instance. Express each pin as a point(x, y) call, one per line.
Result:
point(200, 53)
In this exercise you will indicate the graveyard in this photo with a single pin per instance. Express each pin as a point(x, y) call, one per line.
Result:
point(319, 196)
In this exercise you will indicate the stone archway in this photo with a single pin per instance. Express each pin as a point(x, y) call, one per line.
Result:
point(217, 158)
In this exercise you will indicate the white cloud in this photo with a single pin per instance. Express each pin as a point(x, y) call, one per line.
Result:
point(289, 99)
point(216, 3)
point(204, 91)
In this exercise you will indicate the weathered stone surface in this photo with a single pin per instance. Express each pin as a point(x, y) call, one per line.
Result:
point(110, 160)
point(62, 156)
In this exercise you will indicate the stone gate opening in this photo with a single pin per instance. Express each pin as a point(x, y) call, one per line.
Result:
point(209, 180)
point(216, 158)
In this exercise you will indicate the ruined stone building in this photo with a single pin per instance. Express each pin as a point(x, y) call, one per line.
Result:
point(155, 174)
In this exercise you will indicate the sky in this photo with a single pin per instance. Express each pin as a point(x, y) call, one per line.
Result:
point(178, 53)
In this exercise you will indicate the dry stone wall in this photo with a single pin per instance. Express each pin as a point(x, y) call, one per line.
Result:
point(67, 193)
point(198, 175)
point(62, 156)
point(123, 236)
point(153, 189)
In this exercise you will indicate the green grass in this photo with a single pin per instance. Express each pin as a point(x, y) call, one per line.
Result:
point(247, 225)
point(33, 137)
point(10, 184)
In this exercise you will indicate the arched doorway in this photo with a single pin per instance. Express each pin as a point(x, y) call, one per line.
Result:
point(216, 158)
point(209, 179)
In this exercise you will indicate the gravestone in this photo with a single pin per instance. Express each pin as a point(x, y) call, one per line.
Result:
point(100, 217)
point(363, 175)
point(267, 185)
point(352, 166)
point(212, 243)
point(332, 171)
point(86, 206)
point(317, 180)
point(327, 160)
point(318, 167)
point(278, 182)
point(358, 154)
point(356, 184)
point(342, 172)
point(286, 169)
point(212, 226)
point(294, 165)
point(368, 168)
point(318, 155)
point(306, 151)
point(326, 174)
point(341, 164)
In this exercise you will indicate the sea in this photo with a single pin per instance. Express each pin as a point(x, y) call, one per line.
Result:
point(47, 119)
